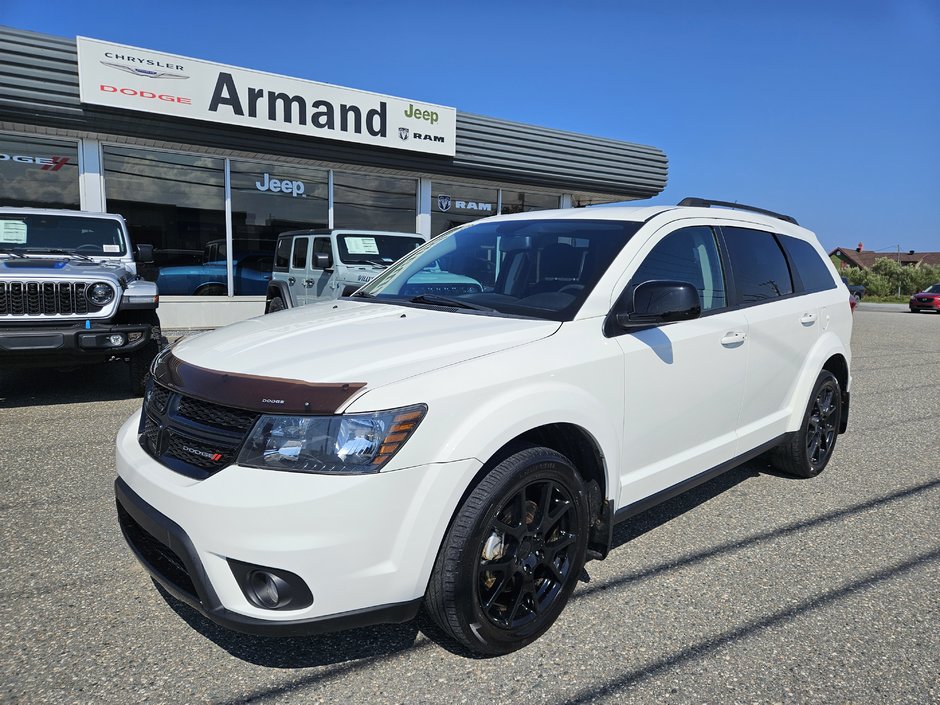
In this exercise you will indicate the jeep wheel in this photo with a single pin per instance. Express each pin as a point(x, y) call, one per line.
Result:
point(275, 304)
point(139, 364)
point(513, 554)
point(809, 450)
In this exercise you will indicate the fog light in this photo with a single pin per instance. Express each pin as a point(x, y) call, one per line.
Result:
point(268, 589)
point(116, 340)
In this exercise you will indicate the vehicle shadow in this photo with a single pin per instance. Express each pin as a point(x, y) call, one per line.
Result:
point(353, 648)
point(43, 386)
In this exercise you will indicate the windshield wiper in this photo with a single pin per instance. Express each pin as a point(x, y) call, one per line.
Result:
point(57, 251)
point(435, 300)
point(368, 261)
point(362, 294)
point(8, 251)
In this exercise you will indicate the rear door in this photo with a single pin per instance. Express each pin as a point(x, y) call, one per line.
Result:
point(298, 272)
point(783, 325)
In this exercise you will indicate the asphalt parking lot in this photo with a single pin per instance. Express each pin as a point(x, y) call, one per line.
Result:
point(754, 588)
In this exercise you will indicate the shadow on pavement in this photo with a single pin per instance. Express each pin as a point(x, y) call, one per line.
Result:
point(44, 386)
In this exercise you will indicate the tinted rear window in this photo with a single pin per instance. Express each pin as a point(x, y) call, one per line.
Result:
point(810, 269)
point(758, 265)
point(282, 254)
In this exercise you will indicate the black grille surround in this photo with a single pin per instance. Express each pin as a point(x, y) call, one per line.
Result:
point(191, 436)
point(46, 298)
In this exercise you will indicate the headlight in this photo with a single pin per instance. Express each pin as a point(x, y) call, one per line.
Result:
point(100, 293)
point(347, 444)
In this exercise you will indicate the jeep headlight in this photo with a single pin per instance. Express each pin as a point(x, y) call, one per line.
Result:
point(345, 444)
point(100, 293)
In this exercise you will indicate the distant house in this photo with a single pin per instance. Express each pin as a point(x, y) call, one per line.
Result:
point(864, 260)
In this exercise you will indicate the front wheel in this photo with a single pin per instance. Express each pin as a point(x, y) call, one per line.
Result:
point(512, 555)
point(810, 448)
point(275, 303)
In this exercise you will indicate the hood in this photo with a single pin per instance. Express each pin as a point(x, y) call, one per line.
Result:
point(350, 341)
point(60, 267)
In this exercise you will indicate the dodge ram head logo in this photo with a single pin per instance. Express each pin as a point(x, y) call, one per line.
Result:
point(403, 132)
point(443, 203)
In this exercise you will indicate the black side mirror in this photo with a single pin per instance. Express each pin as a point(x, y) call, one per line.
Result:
point(143, 253)
point(322, 261)
point(656, 302)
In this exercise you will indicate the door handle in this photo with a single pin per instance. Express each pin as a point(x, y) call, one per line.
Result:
point(291, 281)
point(808, 319)
point(733, 338)
point(308, 283)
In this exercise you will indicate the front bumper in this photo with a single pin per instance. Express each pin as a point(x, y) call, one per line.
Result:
point(924, 306)
point(37, 344)
point(363, 545)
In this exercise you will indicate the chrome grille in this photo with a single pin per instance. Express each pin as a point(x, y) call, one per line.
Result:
point(45, 298)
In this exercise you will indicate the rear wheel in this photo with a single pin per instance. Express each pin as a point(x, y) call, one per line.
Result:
point(512, 555)
point(809, 450)
point(275, 303)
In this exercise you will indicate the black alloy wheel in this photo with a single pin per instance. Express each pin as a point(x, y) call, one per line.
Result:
point(807, 452)
point(513, 554)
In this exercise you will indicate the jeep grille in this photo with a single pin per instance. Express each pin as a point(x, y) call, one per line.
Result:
point(45, 298)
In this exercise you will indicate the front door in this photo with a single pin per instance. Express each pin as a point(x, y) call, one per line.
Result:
point(321, 277)
point(684, 381)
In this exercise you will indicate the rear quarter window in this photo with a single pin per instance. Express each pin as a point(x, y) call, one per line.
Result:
point(282, 255)
point(810, 272)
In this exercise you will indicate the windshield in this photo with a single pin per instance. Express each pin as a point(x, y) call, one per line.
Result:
point(58, 234)
point(935, 289)
point(538, 268)
point(367, 248)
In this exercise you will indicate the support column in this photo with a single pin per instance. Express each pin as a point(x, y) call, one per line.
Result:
point(91, 176)
point(423, 221)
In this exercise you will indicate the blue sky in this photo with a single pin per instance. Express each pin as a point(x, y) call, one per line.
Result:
point(828, 111)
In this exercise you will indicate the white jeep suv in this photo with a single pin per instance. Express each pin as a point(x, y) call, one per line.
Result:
point(464, 431)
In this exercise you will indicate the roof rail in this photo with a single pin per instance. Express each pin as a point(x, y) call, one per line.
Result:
point(707, 202)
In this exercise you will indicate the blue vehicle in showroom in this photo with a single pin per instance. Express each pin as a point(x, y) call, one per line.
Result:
point(252, 272)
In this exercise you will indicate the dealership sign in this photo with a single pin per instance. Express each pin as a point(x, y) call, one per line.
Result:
point(118, 76)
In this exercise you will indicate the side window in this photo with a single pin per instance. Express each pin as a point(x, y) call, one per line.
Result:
point(322, 246)
point(282, 254)
point(299, 260)
point(758, 266)
point(808, 265)
point(687, 255)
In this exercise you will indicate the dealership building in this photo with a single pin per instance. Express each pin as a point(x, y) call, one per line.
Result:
point(209, 162)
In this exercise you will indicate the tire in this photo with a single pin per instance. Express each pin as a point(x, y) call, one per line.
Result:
point(512, 555)
point(212, 290)
point(138, 367)
point(275, 304)
point(809, 450)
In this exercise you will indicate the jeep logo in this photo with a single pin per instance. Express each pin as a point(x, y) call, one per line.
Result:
point(418, 114)
point(294, 188)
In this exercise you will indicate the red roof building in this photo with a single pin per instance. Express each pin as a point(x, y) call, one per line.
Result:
point(864, 260)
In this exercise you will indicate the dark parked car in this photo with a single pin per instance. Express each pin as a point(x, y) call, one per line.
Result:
point(857, 290)
point(926, 300)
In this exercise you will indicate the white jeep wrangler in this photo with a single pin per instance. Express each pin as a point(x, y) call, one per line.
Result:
point(320, 265)
point(465, 431)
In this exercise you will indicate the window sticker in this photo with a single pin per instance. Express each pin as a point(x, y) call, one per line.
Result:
point(362, 246)
point(111, 248)
point(13, 232)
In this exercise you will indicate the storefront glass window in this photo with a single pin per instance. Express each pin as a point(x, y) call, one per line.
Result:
point(454, 204)
point(520, 202)
point(38, 173)
point(373, 202)
point(269, 199)
point(175, 202)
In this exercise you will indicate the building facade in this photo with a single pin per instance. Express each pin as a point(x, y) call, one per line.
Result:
point(208, 163)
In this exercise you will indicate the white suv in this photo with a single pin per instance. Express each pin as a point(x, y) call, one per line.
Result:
point(464, 431)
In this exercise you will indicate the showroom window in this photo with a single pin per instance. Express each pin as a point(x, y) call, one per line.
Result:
point(521, 202)
point(373, 202)
point(38, 173)
point(269, 199)
point(455, 204)
point(175, 202)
